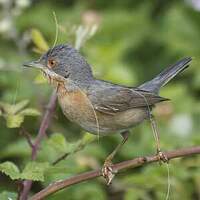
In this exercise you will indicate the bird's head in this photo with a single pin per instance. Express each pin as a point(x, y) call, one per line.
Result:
point(63, 62)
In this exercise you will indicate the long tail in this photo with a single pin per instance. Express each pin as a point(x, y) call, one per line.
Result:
point(166, 75)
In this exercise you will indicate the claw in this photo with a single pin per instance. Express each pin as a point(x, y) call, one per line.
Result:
point(107, 172)
point(162, 157)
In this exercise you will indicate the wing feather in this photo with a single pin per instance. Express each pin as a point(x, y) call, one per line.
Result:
point(113, 99)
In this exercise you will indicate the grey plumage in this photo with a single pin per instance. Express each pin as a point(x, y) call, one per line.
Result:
point(111, 98)
point(96, 105)
point(166, 75)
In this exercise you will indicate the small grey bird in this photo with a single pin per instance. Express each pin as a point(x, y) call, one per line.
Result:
point(98, 106)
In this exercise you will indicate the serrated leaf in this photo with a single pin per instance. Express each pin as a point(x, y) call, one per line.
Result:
point(58, 142)
point(39, 79)
point(5, 195)
point(30, 112)
point(14, 114)
point(14, 121)
point(39, 40)
point(13, 108)
point(34, 171)
point(18, 106)
point(10, 169)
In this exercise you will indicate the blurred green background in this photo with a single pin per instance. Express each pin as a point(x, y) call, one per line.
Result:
point(134, 41)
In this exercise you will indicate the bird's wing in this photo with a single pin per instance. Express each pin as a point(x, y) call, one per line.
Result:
point(112, 99)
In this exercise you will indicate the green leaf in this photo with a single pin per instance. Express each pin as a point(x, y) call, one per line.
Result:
point(30, 112)
point(15, 108)
point(14, 114)
point(59, 143)
point(5, 195)
point(10, 169)
point(39, 40)
point(34, 171)
point(88, 138)
point(14, 121)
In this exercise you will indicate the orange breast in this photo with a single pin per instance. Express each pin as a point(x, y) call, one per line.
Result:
point(74, 98)
point(75, 105)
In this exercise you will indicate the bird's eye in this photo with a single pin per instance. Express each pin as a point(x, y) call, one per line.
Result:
point(51, 63)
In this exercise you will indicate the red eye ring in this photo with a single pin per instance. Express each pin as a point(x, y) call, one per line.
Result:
point(51, 63)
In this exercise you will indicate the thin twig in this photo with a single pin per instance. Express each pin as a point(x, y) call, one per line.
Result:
point(35, 146)
point(79, 146)
point(26, 134)
point(60, 158)
point(54, 187)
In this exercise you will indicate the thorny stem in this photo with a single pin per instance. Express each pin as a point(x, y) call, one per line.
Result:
point(35, 146)
point(140, 161)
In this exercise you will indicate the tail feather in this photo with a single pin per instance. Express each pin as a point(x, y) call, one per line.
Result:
point(166, 75)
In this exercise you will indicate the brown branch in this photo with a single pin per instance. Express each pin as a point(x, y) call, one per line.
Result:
point(52, 188)
point(35, 146)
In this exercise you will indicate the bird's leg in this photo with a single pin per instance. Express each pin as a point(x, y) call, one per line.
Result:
point(161, 155)
point(107, 170)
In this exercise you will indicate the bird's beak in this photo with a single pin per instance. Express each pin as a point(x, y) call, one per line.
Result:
point(34, 64)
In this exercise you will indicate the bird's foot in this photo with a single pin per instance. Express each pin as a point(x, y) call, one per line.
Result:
point(162, 157)
point(107, 171)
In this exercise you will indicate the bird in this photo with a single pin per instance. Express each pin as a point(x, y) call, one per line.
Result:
point(98, 106)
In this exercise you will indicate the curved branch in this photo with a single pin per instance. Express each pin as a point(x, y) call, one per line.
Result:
point(52, 188)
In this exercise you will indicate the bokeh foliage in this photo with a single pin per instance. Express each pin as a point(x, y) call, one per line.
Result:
point(134, 41)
